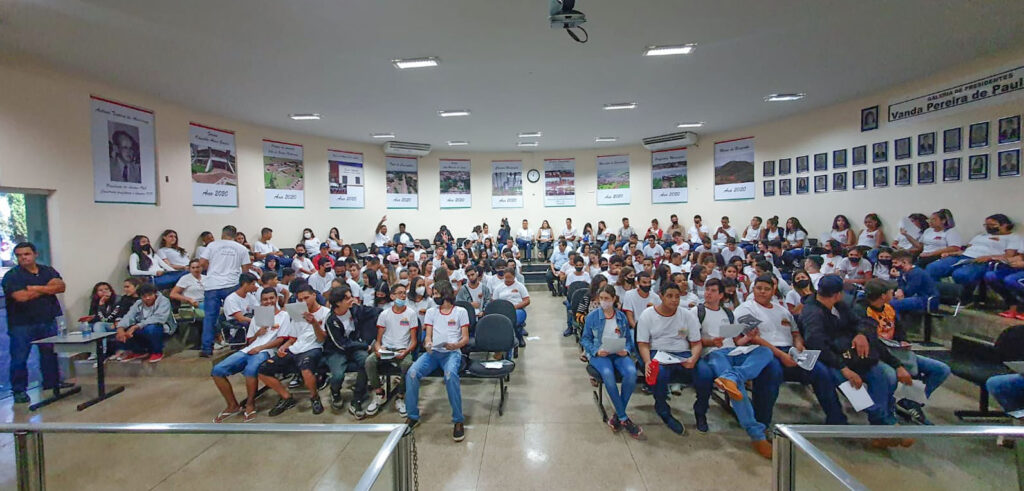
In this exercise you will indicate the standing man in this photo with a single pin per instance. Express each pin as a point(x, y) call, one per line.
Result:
point(224, 260)
point(31, 292)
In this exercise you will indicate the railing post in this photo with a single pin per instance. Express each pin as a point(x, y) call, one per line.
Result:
point(783, 472)
point(401, 462)
point(29, 459)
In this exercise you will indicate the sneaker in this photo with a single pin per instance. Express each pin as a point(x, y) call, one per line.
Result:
point(634, 429)
point(202, 354)
point(673, 424)
point(567, 332)
point(282, 406)
point(763, 448)
point(219, 345)
point(376, 404)
point(676, 389)
point(522, 342)
point(133, 356)
point(412, 423)
point(400, 405)
point(154, 358)
point(355, 408)
point(21, 398)
point(613, 423)
point(702, 423)
point(459, 432)
point(318, 407)
point(912, 411)
point(1009, 314)
point(336, 401)
point(525, 332)
point(296, 382)
point(322, 381)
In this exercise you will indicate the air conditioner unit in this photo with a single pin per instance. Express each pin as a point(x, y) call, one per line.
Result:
point(406, 149)
point(671, 140)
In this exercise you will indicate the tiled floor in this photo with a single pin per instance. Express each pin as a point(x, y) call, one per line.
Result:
point(550, 437)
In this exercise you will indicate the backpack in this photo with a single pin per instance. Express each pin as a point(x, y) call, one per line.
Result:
point(702, 312)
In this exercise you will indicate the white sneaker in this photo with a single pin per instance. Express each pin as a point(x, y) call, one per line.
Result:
point(400, 405)
point(376, 404)
point(218, 345)
point(676, 389)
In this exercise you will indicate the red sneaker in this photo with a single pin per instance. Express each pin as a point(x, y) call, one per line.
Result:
point(1009, 314)
point(1020, 316)
point(156, 357)
point(132, 356)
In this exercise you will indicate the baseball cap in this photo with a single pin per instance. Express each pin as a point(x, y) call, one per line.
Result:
point(323, 245)
point(829, 285)
point(876, 287)
point(392, 257)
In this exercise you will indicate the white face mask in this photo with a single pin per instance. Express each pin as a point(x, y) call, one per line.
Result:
point(606, 304)
point(307, 235)
point(403, 282)
point(421, 290)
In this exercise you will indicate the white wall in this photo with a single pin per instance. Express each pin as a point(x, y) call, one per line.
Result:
point(44, 134)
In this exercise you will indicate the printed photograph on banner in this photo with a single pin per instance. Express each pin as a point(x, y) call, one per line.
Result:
point(214, 166)
point(734, 169)
point(345, 177)
point(455, 191)
point(283, 175)
point(507, 184)
point(668, 176)
point(560, 182)
point(123, 155)
point(402, 182)
point(613, 180)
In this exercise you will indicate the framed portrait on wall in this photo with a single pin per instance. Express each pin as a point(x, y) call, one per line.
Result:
point(839, 181)
point(880, 177)
point(801, 185)
point(839, 159)
point(880, 152)
point(1009, 163)
point(784, 187)
point(902, 148)
point(860, 155)
point(926, 172)
point(1009, 130)
point(925, 144)
point(977, 167)
point(860, 179)
point(769, 188)
point(820, 162)
point(802, 165)
point(821, 183)
point(869, 118)
point(768, 168)
point(977, 135)
point(951, 170)
point(902, 175)
point(952, 140)
point(785, 167)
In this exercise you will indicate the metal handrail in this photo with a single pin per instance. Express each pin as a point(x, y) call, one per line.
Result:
point(28, 439)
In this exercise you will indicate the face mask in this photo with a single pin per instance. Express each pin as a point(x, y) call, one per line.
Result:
point(307, 235)
point(579, 269)
point(399, 302)
point(801, 284)
point(885, 262)
point(630, 279)
point(604, 268)
point(854, 260)
point(605, 304)
point(420, 290)
point(992, 230)
point(361, 283)
point(438, 300)
point(645, 289)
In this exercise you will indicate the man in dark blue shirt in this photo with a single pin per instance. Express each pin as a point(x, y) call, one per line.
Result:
point(917, 291)
point(31, 295)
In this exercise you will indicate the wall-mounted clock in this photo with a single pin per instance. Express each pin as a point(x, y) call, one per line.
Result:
point(533, 175)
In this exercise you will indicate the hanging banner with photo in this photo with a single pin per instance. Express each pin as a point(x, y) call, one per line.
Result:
point(123, 155)
point(734, 169)
point(214, 166)
point(559, 182)
point(345, 175)
point(455, 183)
point(613, 180)
point(283, 175)
point(668, 174)
point(506, 184)
point(402, 182)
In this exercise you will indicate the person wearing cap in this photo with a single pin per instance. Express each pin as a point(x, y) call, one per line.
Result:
point(731, 250)
point(876, 307)
point(850, 349)
point(325, 252)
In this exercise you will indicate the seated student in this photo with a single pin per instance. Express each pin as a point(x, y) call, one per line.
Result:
point(524, 239)
point(205, 238)
point(447, 331)
point(875, 305)
point(324, 253)
point(772, 232)
point(238, 308)
point(676, 264)
point(812, 265)
point(638, 299)
point(794, 240)
point(675, 330)
point(396, 334)
point(301, 353)
point(189, 289)
point(262, 342)
point(515, 292)
point(730, 299)
point(841, 231)
point(269, 280)
point(302, 265)
point(724, 232)
point(652, 249)
point(687, 299)
point(883, 269)
point(351, 328)
point(706, 246)
point(915, 287)
point(769, 324)
point(559, 258)
point(475, 291)
point(803, 288)
point(1008, 281)
point(102, 308)
point(144, 263)
point(849, 355)
point(909, 239)
point(602, 326)
point(938, 239)
point(679, 246)
point(968, 267)
point(578, 272)
point(544, 238)
point(752, 234)
point(854, 270)
point(833, 256)
point(143, 327)
point(173, 254)
point(872, 237)
point(730, 251)
point(263, 250)
point(698, 230)
point(321, 280)
point(728, 373)
point(129, 295)
point(381, 240)
point(419, 298)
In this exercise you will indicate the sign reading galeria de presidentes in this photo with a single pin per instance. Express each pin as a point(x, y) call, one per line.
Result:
point(992, 87)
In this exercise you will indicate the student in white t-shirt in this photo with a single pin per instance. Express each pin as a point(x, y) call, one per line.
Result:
point(447, 331)
point(731, 250)
point(854, 268)
point(263, 249)
point(752, 234)
point(224, 260)
point(698, 230)
point(968, 267)
point(524, 240)
point(813, 267)
point(639, 299)
point(937, 240)
point(321, 280)
point(395, 344)
point(189, 289)
point(724, 232)
point(833, 256)
point(144, 262)
point(301, 262)
point(238, 307)
point(653, 249)
point(514, 291)
point(171, 252)
point(577, 274)
point(262, 342)
point(301, 352)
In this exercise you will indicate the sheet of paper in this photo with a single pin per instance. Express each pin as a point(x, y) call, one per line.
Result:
point(914, 392)
point(263, 316)
point(805, 359)
point(859, 398)
point(666, 358)
point(729, 331)
point(613, 345)
point(742, 350)
point(295, 311)
point(386, 354)
point(493, 365)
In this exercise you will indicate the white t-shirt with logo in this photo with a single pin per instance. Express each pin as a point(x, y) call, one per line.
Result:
point(776, 323)
point(795, 236)
point(234, 304)
point(446, 328)
point(712, 325)
point(226, 259)
point(321, 283)
point(572, 277)
point(397, 327)
point(279, 329)
point(653, 251)
point(848, 271)
point(304, 334)
point(261, 247)
point(672, 333)
point(868, 239)
point(830, 263)
point(932, 241)
point(633, 302)
point(300, 263)
point(514, 293)
point(192, 287)
point(992, 245)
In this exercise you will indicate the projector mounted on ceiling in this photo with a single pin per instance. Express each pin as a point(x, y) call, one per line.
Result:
point(562, 16)
point(671, 140)
point(406, 149)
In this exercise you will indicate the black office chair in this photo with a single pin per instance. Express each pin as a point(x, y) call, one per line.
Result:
point(976, 360)
point(359, 249)
point(495, 334)
point(505, 308)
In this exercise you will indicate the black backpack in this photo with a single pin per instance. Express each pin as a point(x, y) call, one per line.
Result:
point(702, 312)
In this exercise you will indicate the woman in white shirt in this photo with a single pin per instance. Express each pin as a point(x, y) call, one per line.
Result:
point(909, 238)
point(545, 237)
point(175, 256)
point(144, 263)
point(967, 267)
point(841, 231)
point(334, 241)
point(939, 239)
point(189, 289)
point(309, 240)
point(602, 234)
point(872, 237)
point(795, 236)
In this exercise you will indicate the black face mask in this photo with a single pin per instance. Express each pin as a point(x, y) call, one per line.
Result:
point(854, 260)
point(300, 254)
point(801, 284)
point(885, 262)
point(645, 289)
point(579, 269)
point(630, 279)
point(604, 268)
point(992, 230)
point(437, 300)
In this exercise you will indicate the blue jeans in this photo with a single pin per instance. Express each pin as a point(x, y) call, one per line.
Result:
point(21, 337)
point(148, 339)
point(739, 369)
point(339, 363)
point(240, 361)
point(766, 390)
point(914, 304)
point(793, 255)
point(880, 387)
point(526, 246)
point(660, 388)
point(607, 366)
point(968, 275)
point(168, 279)
point(932, 372)
point(450, 362)
point(1008, 390)
point(213, 300)
point(1008, 282)
point(544, 248)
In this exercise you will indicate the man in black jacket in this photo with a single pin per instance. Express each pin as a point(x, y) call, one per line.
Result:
point(850, 348)
point(350, 330)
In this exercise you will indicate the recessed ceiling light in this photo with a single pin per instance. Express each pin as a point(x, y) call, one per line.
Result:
point(530, 134)
point(620, 105)
point(382, 135)
point(682, 49)
point(528, 144)
point(694, 124)
point(304, 116)
point(416, 62)
point(606, 139)
point(448, 113)
point(784, 97)
point(457, 143)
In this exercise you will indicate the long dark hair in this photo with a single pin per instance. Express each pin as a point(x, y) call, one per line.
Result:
point(143, 252)
point(835, 222)
point(796, 225)
point(94, 300)
point(177, 241)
